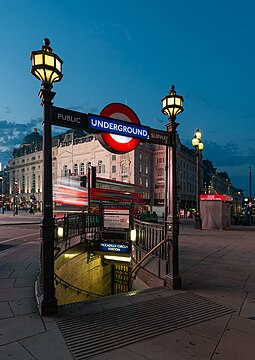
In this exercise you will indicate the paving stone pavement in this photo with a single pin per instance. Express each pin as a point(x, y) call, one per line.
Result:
point(214, 264)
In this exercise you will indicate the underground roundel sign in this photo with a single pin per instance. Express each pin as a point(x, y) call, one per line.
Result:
point(114, 143)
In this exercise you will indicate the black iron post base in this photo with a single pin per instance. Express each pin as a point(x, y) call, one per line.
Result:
point(48, 307)
point(173, 282)
point(198, 222)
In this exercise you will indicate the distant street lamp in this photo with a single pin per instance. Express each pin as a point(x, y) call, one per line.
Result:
point(47, 67)
point(198, 145)
point(172, 106)
point(250, 199)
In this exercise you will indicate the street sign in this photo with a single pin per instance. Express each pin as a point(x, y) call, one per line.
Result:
point(160, 137)
point(113, 126)
point(119, 144)
point(118, 126)
point(68, 118)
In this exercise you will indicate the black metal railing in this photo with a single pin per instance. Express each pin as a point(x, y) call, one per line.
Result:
point(73, 229)
point(148, 236)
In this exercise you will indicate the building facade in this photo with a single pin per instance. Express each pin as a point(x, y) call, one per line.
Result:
point(71, 155)
point(73, 152)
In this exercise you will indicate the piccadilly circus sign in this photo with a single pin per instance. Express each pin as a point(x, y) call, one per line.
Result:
point(120, 128)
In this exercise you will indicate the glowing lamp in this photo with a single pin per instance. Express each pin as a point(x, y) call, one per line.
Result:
point(60, 231)
point(172, 104)
point(46, 66)
point(133, 235)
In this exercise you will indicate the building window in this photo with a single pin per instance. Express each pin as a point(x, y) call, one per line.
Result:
point(160, 172)
point(22, 184)
point(65, 170)
point(146, 170)
point(146, 183)
point(113, 168)
point(113, 157)
point(75, 169)
point(101, 167)
point(33, 183)
point(82, 169)
point(39, 183)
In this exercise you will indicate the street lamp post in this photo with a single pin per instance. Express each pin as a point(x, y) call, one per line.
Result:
point(250, 202)
point(198, 146)
point(47, 67)
point(172, 106)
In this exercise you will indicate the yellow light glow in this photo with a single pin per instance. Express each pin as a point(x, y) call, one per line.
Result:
point(198, 135)
point(117, 258)
point(49, 60)
point(178, 101)
point(60, 231)
point(70, 256)
point(58, 65)
point(200, 146)
point(38, 60)
point(195, 142)
point(133, 235)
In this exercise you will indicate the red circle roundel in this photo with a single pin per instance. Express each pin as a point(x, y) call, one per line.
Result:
point(119, 144)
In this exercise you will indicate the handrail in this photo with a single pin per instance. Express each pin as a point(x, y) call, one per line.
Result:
point(75, 287)
point(145, 257)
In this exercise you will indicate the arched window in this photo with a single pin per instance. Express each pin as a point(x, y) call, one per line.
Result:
point(82, 169)
point(101, 167)
point(88, 165)
point(75, 169)
point(65, 170)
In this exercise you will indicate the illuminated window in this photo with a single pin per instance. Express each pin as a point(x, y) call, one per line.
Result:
point(82, 168)
point(75, 169)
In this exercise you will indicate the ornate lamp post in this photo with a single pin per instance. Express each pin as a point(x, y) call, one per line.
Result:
point(172, 106)
point(47, 67)
point(198, 145)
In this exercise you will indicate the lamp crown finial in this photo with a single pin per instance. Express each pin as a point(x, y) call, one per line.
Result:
point(46, 47)
point(46, 41)
point(172, 90)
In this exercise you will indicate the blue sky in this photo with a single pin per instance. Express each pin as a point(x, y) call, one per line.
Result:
point(131, 52)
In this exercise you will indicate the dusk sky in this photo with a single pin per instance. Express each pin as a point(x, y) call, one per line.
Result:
point(131, 52)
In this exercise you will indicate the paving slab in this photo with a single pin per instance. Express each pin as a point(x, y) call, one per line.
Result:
point(14, 351)
point(178, 345)
point(23, 306)
point(7, 294)
point(248, 308)
point(212, 329)
point(49, 345)
point(19, 327)
point(235, 345)
point(5, 310)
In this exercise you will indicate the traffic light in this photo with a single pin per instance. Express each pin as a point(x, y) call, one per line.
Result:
point(83, 182)
point(93, 177)
point(17, 191)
